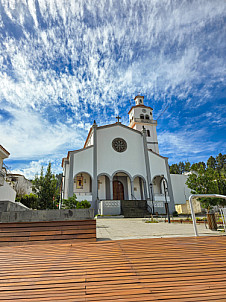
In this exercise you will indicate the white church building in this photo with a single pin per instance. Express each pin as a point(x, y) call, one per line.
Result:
point(120, 162)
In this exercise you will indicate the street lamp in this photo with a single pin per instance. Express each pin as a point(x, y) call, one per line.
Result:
point(61, 191)
point(153, 208)
point(166, 202)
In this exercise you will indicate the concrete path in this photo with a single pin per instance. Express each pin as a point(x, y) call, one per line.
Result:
point(136, 228)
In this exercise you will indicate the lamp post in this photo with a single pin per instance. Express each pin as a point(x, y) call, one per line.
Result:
point(153, 207)
point(61, 191)
point(166, 202)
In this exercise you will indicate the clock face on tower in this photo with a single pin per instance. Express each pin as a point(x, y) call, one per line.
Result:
point(119, 144)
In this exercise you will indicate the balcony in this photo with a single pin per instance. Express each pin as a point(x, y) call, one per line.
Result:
point(147, 121)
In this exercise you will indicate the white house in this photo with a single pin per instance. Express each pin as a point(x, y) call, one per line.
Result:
point(19, 183)
point(120, 162)
point(7, 193)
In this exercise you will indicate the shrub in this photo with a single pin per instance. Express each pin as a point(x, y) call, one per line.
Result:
point(70, 203)
point(84, 204)
point(30, 201)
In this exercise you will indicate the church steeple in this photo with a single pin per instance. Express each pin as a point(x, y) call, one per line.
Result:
point(139, 100)
point(141, 116)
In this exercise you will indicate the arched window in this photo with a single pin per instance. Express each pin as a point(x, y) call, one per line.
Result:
point(141, 116)
point(151, 113)
point(148, 133)
point(147, 117)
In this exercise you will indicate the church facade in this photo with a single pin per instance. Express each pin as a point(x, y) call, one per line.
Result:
point(120, 162)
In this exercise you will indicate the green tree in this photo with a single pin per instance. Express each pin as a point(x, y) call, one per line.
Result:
point(174, 169)
point(211, 162)
point(206, 181)
point(187, 166)
point(181, 166)
point(221, 162)
point(197, 166)
point(45, 187)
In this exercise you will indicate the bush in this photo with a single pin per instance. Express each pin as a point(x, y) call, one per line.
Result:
point(175, 214)
point(70, 203)
point(30, 201)
point(73, 203)
point(84, 204)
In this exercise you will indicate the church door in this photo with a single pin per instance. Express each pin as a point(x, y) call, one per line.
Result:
point(118, 190)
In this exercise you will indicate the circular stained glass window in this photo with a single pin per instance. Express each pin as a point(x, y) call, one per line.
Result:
point(144, 110)
point(119, 144)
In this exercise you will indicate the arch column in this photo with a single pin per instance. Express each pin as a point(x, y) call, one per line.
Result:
point(147, 164)
point(145, 190)
point(71, 175)
point(94, 182)
point(111, 188)
point(132, 189)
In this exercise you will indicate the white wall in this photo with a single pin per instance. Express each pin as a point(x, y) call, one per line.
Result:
point(152, 137)
point(101, 187)
point(66, 181)
point(158, 165)
point(181, 192)
point(7, 192)
point(131, 160)
point(83, 161)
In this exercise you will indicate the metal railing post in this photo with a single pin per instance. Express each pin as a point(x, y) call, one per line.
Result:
point(192, 210)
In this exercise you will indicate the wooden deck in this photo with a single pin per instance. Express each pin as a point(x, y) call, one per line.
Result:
point(167, 269)
point(47, 232)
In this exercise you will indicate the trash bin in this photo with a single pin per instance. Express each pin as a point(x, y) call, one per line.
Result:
point(211, 220)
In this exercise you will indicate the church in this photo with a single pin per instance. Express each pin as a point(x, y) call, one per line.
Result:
point(120, 163)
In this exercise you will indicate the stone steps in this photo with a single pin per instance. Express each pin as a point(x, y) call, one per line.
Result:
point(134, 208)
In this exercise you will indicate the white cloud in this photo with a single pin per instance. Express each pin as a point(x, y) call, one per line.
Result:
point(186, 144)
point(93, 56)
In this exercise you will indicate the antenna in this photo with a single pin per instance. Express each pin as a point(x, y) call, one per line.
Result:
point(162, 112)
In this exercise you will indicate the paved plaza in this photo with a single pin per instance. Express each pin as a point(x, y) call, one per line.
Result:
point(137, 228)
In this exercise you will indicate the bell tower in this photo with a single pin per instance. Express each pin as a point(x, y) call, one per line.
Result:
point(141, 116)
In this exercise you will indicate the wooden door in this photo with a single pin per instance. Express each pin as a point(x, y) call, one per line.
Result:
point(118, 190)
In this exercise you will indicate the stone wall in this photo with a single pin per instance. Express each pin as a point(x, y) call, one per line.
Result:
point(7, 206)
point(46, 215)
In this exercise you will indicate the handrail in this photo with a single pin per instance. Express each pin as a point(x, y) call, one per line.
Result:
point(133, 196)
point(192, 210)
point(150, 210)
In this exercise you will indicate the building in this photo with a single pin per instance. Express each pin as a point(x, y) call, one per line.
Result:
point(7, 193)
point(120, 162)
point(19, 183)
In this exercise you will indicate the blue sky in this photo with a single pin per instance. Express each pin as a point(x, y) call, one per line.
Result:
point(66, 63)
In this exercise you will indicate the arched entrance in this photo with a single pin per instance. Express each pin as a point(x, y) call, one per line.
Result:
point(118, 190)
point(140, 190)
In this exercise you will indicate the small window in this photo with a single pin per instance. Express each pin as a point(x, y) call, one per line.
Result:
point(151, 113)
point(147, 117)
point(148, 133)
point(141, 116)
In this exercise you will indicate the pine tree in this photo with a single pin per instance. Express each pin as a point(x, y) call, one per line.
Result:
point(45, 188)
point(211, 163)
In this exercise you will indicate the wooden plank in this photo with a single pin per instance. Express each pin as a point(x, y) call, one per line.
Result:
point(168, 269)
point(50, 223)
